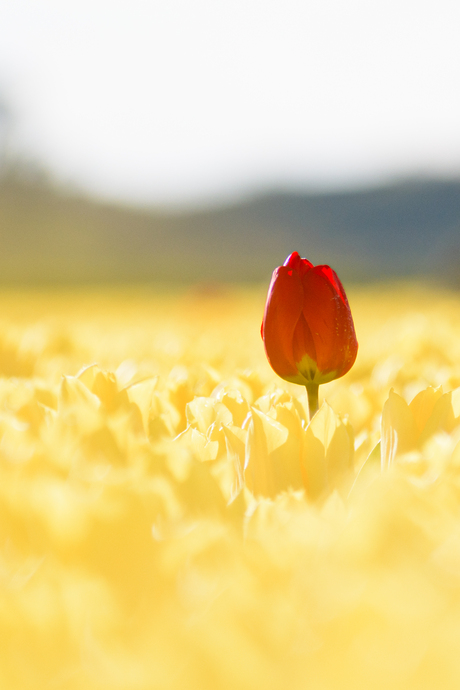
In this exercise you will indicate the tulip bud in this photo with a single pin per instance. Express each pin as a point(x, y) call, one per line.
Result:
point(307, 328)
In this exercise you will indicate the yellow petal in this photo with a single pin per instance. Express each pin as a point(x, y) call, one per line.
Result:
point(265, 435)
point(399, 431)
point(422, 405)
point(327, 453)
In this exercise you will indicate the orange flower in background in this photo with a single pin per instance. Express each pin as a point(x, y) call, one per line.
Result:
point(307, 329)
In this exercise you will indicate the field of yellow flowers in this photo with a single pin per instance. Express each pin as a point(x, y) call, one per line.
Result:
point(170, 520)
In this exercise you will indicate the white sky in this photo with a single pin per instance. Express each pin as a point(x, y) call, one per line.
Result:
point(178, 101)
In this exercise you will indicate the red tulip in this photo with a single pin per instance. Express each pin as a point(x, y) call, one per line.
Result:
point(307, 328)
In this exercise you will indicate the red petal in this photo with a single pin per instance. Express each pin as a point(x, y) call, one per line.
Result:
point(282, 311)
point(328, 315)
point(300, 265)
point(303, 342)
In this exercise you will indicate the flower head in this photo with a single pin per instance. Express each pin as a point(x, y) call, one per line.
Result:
point(307, 328)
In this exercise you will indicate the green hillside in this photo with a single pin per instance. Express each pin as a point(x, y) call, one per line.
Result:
point(51, 235)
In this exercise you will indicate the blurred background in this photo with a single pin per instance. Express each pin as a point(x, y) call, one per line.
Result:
point(176, 142)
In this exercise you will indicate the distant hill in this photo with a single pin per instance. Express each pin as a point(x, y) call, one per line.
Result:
point(48, 235)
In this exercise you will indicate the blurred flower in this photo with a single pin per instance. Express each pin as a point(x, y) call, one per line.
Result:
point(307, 328)
point(408, 427)
point(327, 453)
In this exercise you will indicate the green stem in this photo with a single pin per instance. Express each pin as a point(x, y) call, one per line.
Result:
point(312, 393)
